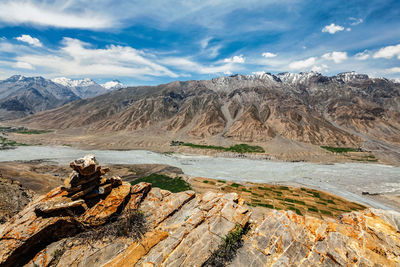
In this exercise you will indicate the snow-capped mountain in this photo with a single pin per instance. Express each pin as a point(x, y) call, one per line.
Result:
point(74, 83)
point(21, 96)
point(396, 80)
point(84, 88)
point(114, 84)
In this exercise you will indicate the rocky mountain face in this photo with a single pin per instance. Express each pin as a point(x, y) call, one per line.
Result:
point(95, 220)
point(343, 110)
point(21, 96)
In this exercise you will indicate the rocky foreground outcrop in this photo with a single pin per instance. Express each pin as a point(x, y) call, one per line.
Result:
point(95, 220)
point(13, 198)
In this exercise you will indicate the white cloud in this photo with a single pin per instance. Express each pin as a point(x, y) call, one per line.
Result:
point(110, 14)
point(355, 21)
point(53, 14)
point(235, 59)
point(322, 68)
point(77, 58)
point(187, 64)
point(393, 70)
point(362, 55)
point(30, 40)
point(23, 65)
point(302, 64)
point(388, 52)
point(258, 73)
point(332, 28)
point(337, 57)
point(268, 55)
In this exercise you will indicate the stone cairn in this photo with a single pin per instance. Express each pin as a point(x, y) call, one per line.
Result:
point(85, 183)
point(86, 180)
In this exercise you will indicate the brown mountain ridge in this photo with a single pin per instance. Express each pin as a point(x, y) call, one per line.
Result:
point(348, 109)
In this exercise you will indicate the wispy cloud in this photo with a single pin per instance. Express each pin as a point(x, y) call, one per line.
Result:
point(303, 64)
point(355, 21)
point(30, 40)
point(332, 28)
point(362, 55)
point(54, 14)
point(77, 58)
point(207, 50)
point(393, 70)
point(23, 65)
point(189, 66)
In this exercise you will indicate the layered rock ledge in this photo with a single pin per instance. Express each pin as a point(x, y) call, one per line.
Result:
point(96, 220)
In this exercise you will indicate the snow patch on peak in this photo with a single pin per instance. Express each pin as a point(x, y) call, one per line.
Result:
point(295, 78)
point(74, 83)
point(395, 80)
point(350, 76)
point(114, 84)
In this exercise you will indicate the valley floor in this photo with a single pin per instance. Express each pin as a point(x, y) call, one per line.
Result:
point(42, 175)
point(279, 148)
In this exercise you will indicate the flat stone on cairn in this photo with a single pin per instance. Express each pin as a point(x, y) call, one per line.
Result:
point(86, 179)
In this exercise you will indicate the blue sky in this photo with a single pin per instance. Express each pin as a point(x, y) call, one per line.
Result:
point(151, 42)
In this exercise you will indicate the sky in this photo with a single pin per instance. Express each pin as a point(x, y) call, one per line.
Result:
point(157, 41)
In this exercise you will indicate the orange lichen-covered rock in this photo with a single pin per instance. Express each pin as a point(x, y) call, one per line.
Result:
point(99, 213)
point(137, 250)
point(366, 238)
point(27, 229)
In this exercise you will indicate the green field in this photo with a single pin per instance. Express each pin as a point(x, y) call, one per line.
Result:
point(340, 149)
point(4, 142)
point(165, 182)
point(239, 148)
point(23, 130)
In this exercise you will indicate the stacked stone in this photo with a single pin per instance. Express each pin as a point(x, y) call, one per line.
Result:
point(86, 180)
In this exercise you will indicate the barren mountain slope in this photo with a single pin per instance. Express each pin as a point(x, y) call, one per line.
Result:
point(250, 108)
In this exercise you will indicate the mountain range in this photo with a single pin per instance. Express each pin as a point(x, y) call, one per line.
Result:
point(347, 109)
point(21, 96)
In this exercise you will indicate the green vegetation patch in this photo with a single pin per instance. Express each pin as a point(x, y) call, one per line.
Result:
point(313, 209)
point(235, 185)
point(266, 205)
point(316, 194)
point(33, 131)
point(165, 182)
point(326, 212)
point(240, 148)
point(264, 188)
point(340, 149)
point(4, 142)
